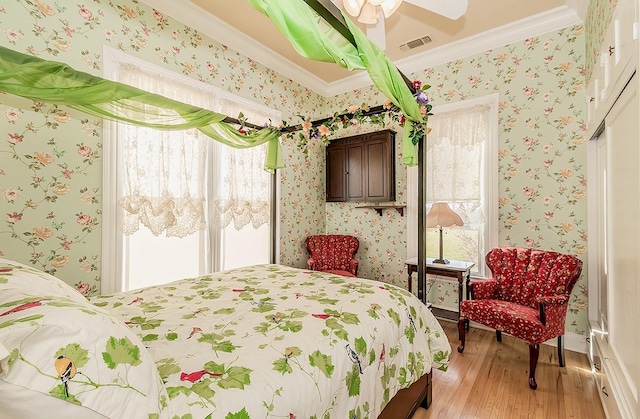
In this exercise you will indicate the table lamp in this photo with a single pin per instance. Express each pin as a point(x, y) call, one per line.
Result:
point(441, 215)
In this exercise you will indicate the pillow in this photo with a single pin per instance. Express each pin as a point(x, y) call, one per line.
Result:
point(26, 280)
point(19, 402)
point(61, 346)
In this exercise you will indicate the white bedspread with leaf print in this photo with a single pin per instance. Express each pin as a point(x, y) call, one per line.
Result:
point(271, 341)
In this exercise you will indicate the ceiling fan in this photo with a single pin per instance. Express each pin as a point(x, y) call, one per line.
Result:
point(373, 12)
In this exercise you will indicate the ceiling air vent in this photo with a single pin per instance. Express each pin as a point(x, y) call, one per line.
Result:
point(416, 43)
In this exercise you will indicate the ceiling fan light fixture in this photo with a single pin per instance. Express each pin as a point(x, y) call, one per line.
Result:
point(368, 14)
point(353, 7)
point(390, 6)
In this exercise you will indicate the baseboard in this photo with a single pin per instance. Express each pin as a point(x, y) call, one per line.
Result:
point(572, 341)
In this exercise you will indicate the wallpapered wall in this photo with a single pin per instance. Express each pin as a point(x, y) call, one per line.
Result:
point(542, 157)
point(50, 157)
point(597, 21)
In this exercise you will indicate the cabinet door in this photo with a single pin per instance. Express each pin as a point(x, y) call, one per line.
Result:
point(606, 63)
point(623, 36)
point(379, 162)
point(617, 50)
point(355, 172)
point(600, 246)
point(622, 235)
point(361, 168)
point(336, 173)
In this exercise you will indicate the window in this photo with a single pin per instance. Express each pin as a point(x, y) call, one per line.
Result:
point(178, 204)
point(460, 169)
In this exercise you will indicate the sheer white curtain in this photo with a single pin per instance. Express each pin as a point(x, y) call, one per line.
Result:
point(163, 172)
point(245, 187)
point(177, 195)
point(455, 169)
point(454, 161)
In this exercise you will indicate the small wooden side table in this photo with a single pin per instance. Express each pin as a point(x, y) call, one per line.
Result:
point(459, 270)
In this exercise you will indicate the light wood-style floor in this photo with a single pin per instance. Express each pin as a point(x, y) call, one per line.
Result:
point(489, 380)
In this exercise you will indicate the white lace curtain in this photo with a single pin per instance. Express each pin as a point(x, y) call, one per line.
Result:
point(453, 148)
point(453, 167)
point(169, 176)
point(245, 187)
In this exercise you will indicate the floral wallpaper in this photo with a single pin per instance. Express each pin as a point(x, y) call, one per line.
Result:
point(50, 156)
point(542, 157)
point(51, 161)
point(599, 15)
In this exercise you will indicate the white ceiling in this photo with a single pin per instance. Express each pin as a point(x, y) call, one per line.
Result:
point(487, 24)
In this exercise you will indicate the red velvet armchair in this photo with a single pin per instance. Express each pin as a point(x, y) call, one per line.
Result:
point(333, 253)
point(527, 297)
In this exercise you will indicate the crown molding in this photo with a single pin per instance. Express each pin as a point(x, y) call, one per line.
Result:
point(580, 6)
point(552, 20)
point(203, 21)
point(199, 19)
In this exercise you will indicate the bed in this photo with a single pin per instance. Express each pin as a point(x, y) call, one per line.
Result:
point(265, 341)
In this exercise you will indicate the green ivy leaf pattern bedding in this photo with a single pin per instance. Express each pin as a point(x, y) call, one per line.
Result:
point(271, 341)
point(55, 345)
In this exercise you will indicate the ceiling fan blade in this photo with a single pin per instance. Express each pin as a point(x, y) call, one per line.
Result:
point(377, 34)
point(451, 9)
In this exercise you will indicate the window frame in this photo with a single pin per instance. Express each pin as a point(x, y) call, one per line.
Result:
point(489, 187)
point(112, 242)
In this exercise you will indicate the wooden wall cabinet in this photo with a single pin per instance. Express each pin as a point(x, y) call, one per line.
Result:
point(362, 168)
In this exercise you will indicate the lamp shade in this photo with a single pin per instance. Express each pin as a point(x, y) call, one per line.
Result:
point(441, 215)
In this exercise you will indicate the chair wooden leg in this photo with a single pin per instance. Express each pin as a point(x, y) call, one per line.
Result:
point(498, 336)
point(534, 351)
point(560, 351)
point(461, 332)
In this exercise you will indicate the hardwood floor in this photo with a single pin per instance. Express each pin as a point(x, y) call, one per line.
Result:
point(489, 380)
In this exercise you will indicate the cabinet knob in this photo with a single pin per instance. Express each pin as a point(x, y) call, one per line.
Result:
point(604, 391)
point(591, 99)
point(596, 366)
point(611, 49)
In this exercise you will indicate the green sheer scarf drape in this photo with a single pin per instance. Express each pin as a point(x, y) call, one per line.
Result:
point(309, 33)
point(47, 81)
point(314, 38)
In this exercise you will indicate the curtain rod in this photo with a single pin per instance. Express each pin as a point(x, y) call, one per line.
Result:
point(372, 111)
point(293, 128)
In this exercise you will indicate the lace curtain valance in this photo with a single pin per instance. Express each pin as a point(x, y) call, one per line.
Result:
point(168, 176)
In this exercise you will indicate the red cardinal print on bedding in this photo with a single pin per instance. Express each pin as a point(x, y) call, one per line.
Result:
point(25, 306)
point(197, 375)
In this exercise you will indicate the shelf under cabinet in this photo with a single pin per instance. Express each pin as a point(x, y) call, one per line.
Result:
point(379, 208)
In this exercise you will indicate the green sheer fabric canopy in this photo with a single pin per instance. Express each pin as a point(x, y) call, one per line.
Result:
point(54, 82)
point(312, 37)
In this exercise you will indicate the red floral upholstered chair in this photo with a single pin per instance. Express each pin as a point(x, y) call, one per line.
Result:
point(333, 253)
point(527, 297)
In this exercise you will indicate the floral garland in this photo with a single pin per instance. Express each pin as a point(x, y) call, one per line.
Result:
point(357, 115)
